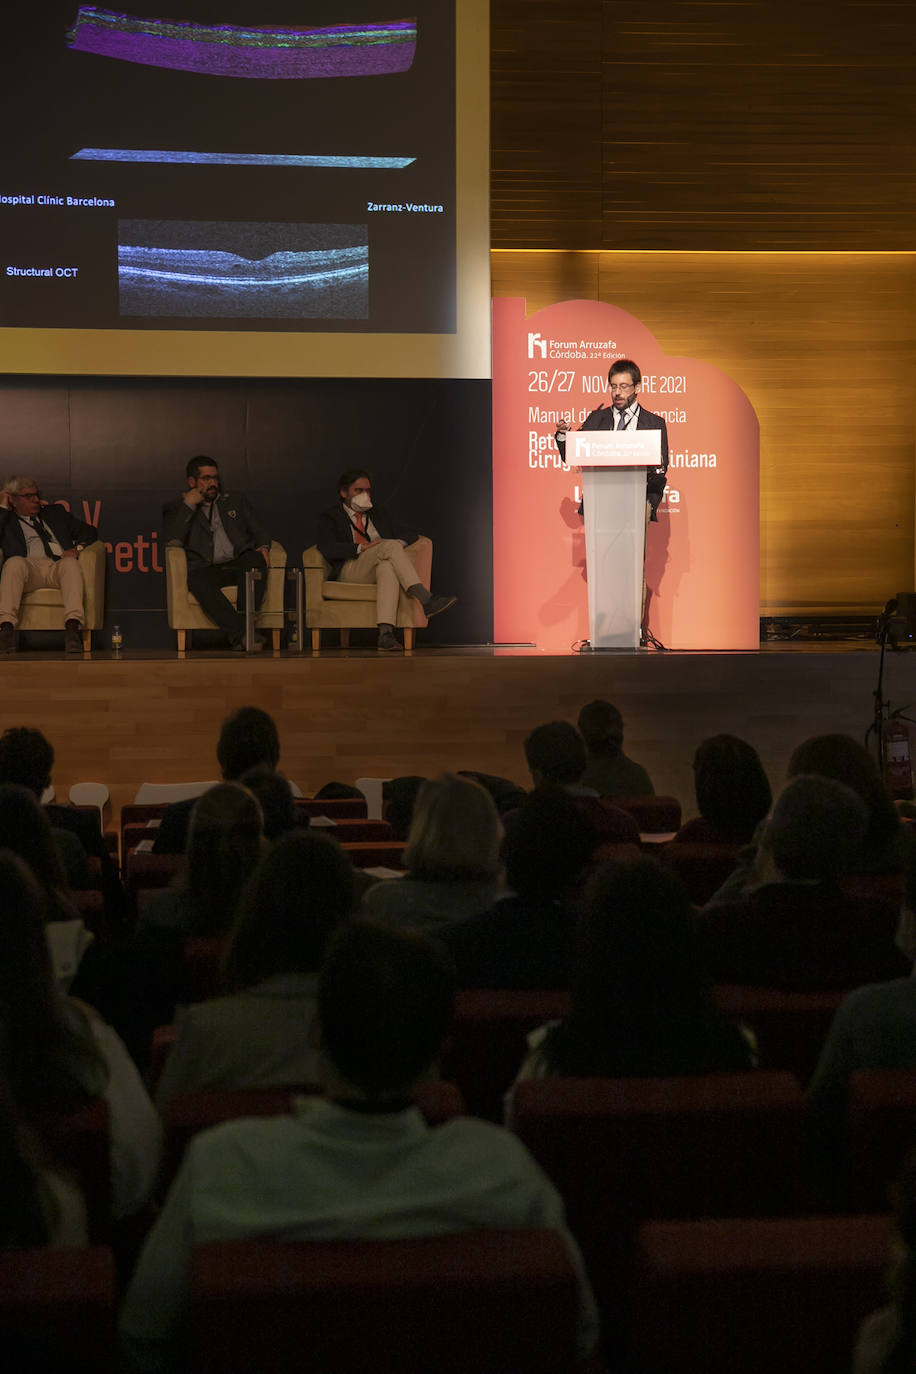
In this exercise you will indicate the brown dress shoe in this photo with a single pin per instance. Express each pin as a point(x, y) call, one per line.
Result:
point(73, 637)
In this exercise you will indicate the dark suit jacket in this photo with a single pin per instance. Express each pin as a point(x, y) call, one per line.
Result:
point(603, 418)
point(335, 533)
point(190, 527)
point(66, 528)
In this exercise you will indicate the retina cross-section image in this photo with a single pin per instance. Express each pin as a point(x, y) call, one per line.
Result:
point(262, 52)
point(243, 271)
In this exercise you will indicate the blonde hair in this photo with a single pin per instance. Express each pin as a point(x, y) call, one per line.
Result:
point(455, 831)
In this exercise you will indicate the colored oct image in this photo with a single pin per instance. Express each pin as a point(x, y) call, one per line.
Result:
point(262, 52)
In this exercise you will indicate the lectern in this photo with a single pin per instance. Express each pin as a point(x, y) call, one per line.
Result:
point(613, 464)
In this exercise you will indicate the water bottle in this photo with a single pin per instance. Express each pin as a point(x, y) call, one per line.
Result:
point(116, 641)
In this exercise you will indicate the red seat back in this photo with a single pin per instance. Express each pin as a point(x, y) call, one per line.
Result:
point(702, 868)
point(482, 1301)
point(627, 1149)
point(486, 1041)
point(880, 1129)
point(57, 1310)
point(653, 815)
point(758, 1295)
point(790, 1027)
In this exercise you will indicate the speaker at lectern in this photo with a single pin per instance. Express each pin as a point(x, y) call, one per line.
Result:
point(613, 464)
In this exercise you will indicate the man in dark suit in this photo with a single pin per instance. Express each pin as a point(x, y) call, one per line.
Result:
point(625, 383)
point(40, 545)
point(363, 543)
point(222, 538)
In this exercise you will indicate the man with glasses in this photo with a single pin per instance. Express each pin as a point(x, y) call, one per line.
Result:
point(624, 384)
point(40, 545)
point(222, 537)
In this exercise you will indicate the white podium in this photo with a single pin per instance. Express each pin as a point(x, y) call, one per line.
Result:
point(613, 467)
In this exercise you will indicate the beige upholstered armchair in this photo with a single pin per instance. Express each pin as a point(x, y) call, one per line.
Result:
point(44, 609)
point(351, 605)
point(185, 611)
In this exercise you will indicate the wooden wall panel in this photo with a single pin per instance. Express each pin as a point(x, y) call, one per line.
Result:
point(794, 330)
point(744, 124)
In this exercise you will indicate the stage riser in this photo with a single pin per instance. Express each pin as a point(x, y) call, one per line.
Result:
point(137, 721)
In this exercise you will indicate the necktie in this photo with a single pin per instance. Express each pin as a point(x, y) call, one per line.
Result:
point(361, 535)
point(623, 420)
point(42, 533)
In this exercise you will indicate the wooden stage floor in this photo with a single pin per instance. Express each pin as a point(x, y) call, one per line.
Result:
point(345, 714)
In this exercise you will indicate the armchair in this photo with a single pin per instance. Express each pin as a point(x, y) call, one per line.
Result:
point(185, 613)
point(44, 609)
point(351, 605)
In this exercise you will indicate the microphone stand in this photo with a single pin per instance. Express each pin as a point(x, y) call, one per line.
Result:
point(883, 712)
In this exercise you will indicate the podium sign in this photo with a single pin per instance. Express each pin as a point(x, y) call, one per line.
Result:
point(608, 448)
point(614, 466)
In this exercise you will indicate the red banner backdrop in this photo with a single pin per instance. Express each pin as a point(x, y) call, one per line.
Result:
point(703, 554)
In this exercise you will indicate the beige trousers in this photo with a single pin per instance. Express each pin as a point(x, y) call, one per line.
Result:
point(19, 576)
point(390, 568)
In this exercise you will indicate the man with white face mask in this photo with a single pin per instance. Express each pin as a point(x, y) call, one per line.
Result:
point(363, 543)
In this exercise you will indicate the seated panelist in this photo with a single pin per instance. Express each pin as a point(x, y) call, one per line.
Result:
point(222, 537)
point(363, 543)
point(41, 545)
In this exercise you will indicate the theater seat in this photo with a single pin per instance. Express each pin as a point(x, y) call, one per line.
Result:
point(880, 1128)
point(653, 815)
point(702, 868)
point(480, 1302)
point(759, 1296)
point(622, 1151)
point(790, 1027)
point(185, 611)
point(44, 609)
point(343, 606)
point(57, 1311)
point(486, 1041)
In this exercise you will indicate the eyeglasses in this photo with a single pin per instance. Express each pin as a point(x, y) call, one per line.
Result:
point(623, 389)
point(28, 494)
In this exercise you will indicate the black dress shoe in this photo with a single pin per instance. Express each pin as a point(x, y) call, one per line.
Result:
point(73, 637)
point(435, 604)
point(7, 638)
point(388, 643)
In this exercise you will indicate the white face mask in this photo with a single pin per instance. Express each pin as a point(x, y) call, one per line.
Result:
point(361, 501)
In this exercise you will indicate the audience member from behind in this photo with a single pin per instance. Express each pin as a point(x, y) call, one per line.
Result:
point(38, 1205)
point(260, 1035)
point(275, 798)
point(361, 1163)
point(732, 790)
point(24, 830)
point(874, 1028)
point(887, 846)
point(556, 753)
point(400, 797)
point(886, 1343)
point(526, 939)
point(224, 849)
point(60, 1054)
point(248, 739)
point(27, 759)
point(452, 858)
point(608, 770)
point(642, 1003)
point(796, 930)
